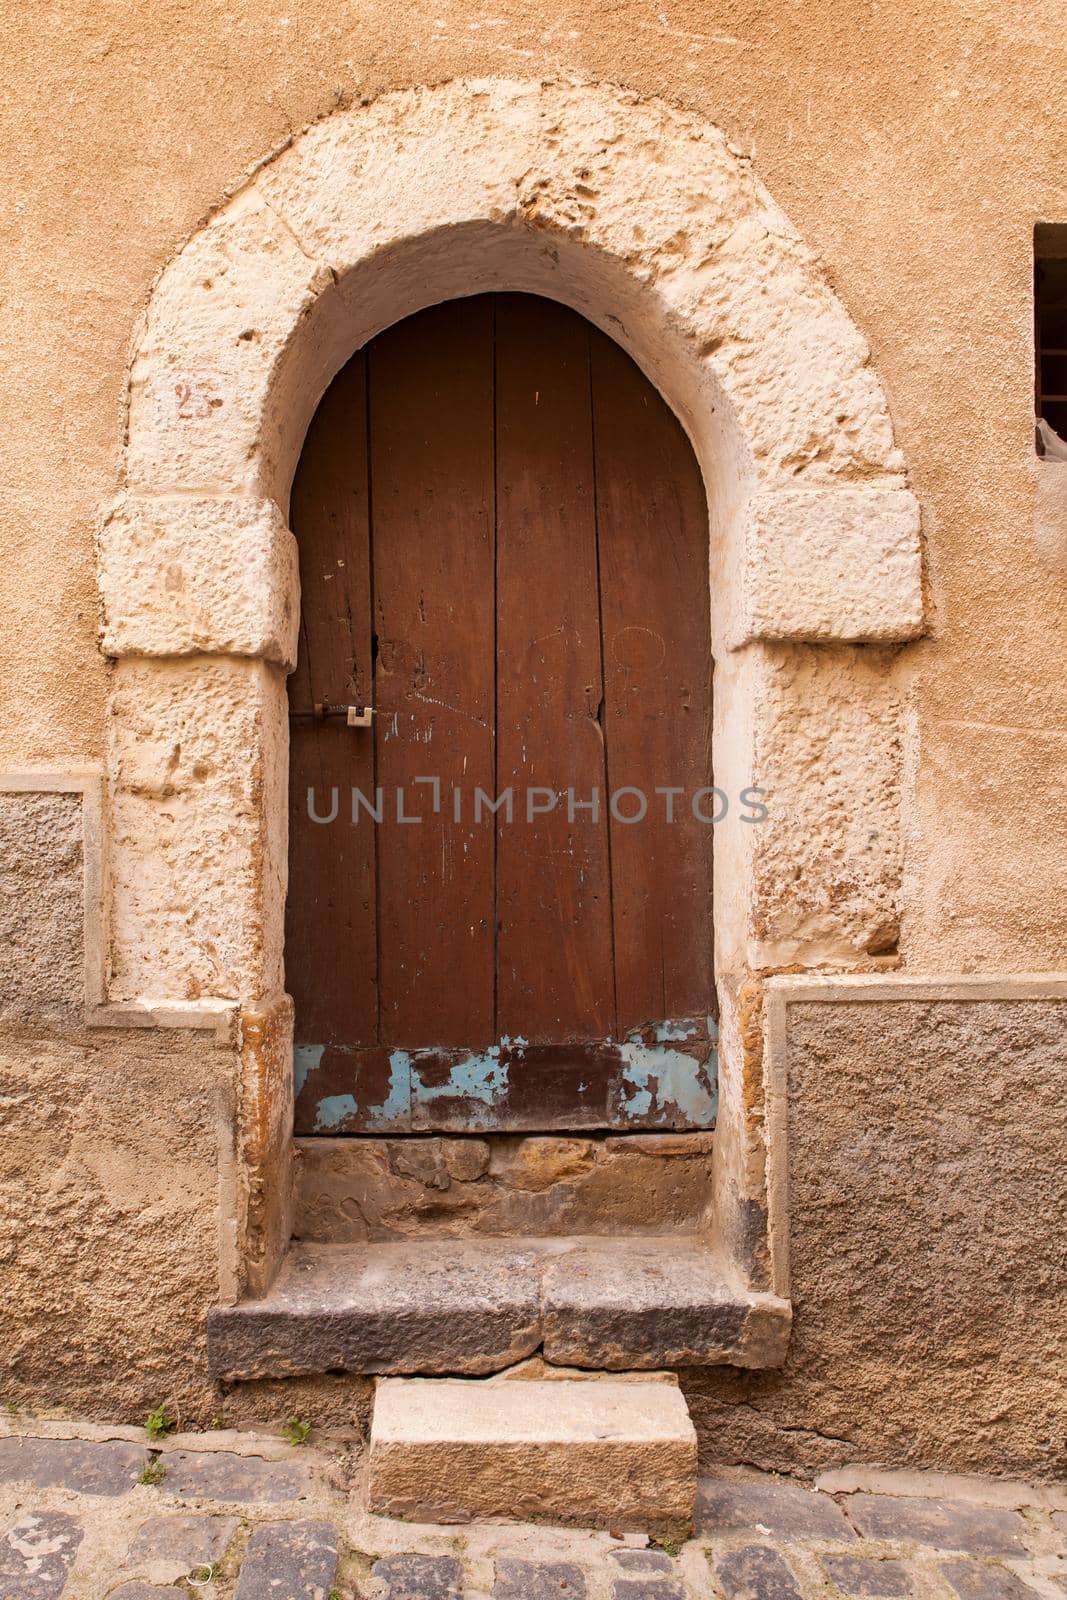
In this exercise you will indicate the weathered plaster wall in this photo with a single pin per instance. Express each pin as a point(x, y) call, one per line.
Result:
point(113, 1151)
point(910, 145)
point(912, 148)
point(927, 1188)
point(41, 899)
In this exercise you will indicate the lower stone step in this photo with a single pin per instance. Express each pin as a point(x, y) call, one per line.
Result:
point(477, 1306)
point(597, 1453)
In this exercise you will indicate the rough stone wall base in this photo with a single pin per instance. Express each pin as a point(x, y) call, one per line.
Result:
point(360, 1190)
point(927, 1192)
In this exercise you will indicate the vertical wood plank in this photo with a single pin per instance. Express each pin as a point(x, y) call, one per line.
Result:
point(653, 546)
point(554, 955)
point(432, 535)
point(330, 930)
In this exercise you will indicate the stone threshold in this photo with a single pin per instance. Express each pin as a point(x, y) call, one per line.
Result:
point(476, 1306)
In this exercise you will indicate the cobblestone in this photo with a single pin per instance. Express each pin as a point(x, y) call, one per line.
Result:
point(36, 1554)
point(181, 1542)
point(756, 1572)
point(945, 1524)
point(142, 1591)
point(232, 1479)
point(643, 1561)
point(538, 1580)
point(784, 1510)
point(859, 1575)
point(417, 1577)
point(289, 1561)
point(648, 1589)
point(280, 1524)
point(985, 1580)
point(88, 1467)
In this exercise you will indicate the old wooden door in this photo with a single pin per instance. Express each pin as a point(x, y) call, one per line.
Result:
point(499, 907)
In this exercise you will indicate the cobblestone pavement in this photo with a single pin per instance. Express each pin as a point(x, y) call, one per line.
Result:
point(104, 1516)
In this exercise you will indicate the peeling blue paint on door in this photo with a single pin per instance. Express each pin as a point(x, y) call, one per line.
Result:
point(333, 1110)
point(655, 1079)
point(306, 1057)
point(663, 1075)
point(481, 1076)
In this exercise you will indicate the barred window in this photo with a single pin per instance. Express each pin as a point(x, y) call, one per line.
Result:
point(1050, 333)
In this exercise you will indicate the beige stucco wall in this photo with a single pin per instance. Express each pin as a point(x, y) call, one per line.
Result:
point(913, 150)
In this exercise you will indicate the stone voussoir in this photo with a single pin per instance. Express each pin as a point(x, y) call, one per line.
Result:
point(607, 1455)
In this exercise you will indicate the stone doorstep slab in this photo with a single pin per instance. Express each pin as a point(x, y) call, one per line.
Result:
point(653, 1304)
point(474, 1307)
point(619, 1455)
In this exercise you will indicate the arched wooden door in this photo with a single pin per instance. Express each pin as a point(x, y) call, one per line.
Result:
point(499, 906)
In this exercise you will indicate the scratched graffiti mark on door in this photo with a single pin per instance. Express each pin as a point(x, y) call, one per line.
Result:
point(504, 553)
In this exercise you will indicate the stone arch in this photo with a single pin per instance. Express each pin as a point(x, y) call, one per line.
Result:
point(641, 217)
point(636, 214)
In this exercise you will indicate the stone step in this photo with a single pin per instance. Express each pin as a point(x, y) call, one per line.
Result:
point(477, 1306)
point(353, 1191)
point(597, 1453)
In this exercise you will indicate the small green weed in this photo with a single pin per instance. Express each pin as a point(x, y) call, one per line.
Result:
point(296, 1431)
point(153, 1474)
point(159, 1423)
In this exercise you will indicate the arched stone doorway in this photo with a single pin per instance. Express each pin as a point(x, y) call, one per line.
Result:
point(641, 218)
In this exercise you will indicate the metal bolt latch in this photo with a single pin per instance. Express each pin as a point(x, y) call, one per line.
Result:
point(355, 716)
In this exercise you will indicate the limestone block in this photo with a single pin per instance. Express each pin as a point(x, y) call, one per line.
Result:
point(264, 1142)
point(841, 564)
point(826, 865)
point(620, 1455)
point(220, 319)
point(198, 829)
point(927, 1191)
point(109, 1222)
point(209, 576)
point(41, 906)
